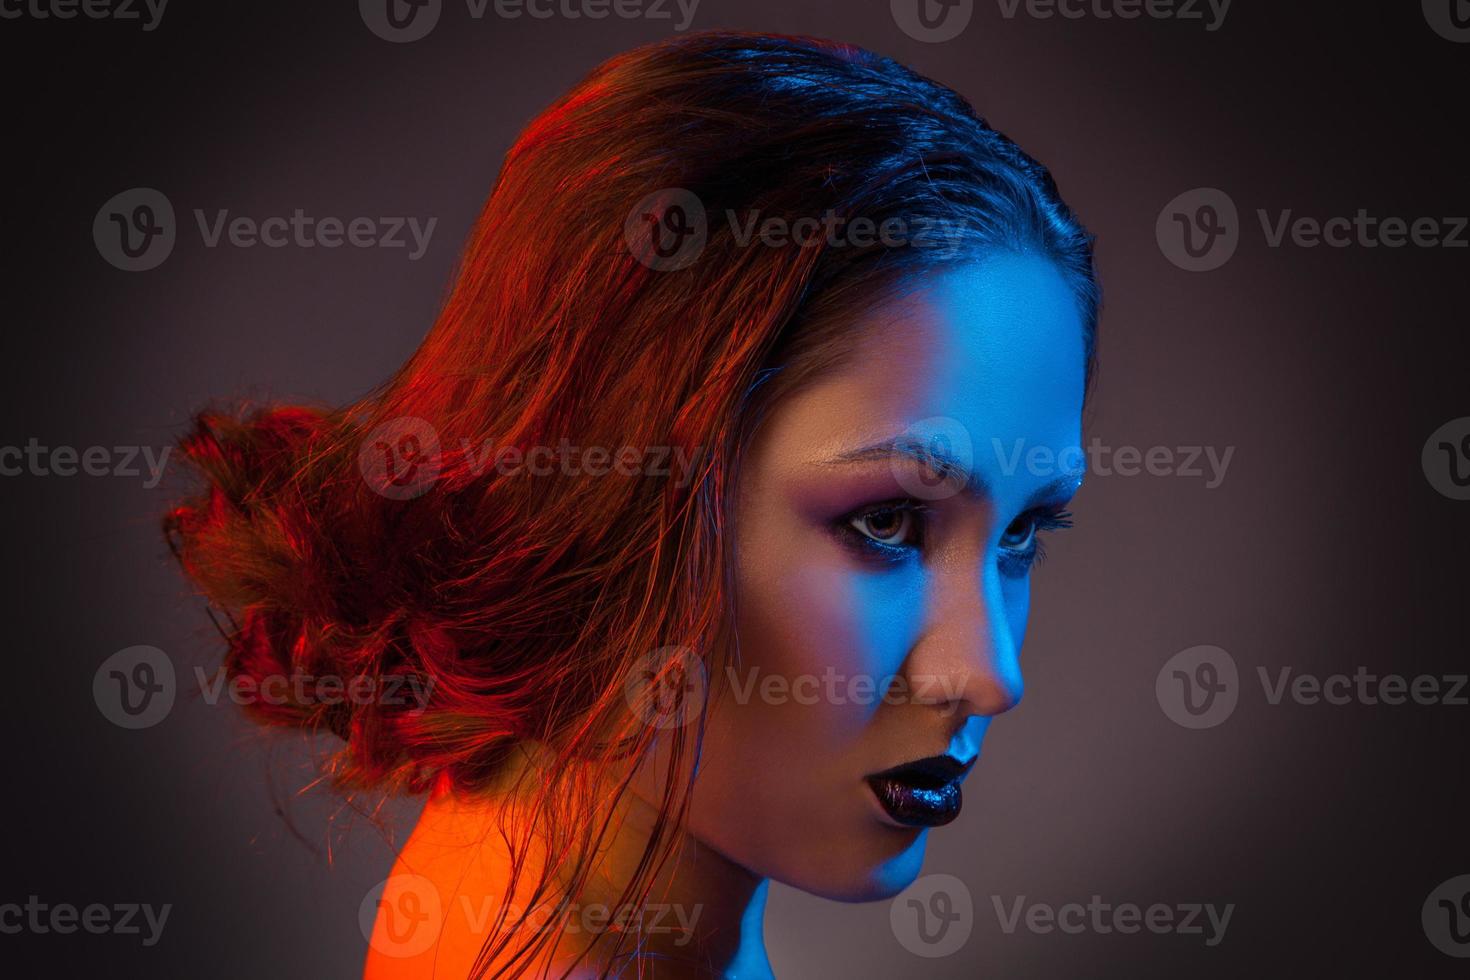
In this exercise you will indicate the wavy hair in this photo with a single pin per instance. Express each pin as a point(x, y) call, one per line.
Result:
point(378, 539)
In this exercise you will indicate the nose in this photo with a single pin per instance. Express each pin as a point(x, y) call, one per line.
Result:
point(967, 656)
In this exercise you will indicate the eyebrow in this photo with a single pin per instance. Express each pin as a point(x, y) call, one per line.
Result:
point(944, 463)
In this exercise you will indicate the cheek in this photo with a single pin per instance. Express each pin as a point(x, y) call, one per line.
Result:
point(1017, 604)
point(822, 635)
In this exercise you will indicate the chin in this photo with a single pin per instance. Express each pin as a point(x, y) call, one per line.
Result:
point(873, 882)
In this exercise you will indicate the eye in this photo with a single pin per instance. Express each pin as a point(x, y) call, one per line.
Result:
point(1021, 541)
point(1020, 534)
point(893, 525)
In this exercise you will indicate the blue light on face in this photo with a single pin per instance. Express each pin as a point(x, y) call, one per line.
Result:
point(986, 383)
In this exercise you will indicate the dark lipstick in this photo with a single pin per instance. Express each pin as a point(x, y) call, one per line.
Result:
point(923, 793)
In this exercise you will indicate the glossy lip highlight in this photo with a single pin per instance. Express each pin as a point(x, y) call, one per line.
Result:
point(922, 793)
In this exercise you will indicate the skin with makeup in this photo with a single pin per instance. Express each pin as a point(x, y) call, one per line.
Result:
point(865, 549)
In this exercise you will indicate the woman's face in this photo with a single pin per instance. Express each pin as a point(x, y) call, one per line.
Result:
point(879, 609)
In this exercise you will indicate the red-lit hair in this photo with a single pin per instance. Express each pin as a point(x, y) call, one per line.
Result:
point(527, 599)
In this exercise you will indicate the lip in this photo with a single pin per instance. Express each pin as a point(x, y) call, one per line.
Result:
point(922, 793)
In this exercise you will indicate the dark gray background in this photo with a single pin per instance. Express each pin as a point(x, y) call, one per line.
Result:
point(1325, 548)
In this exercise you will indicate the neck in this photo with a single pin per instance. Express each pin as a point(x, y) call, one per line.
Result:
point(702, 918)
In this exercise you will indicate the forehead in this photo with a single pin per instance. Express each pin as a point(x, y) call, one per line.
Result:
point(982, 361)
point(995, 346)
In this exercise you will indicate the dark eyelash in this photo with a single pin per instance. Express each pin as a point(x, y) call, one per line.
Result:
point(1053, 519)
point(1018, 563)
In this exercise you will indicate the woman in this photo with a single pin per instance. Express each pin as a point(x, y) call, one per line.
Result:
point(701, 520)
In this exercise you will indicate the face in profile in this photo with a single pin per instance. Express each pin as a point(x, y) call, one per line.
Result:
point(879, 609)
